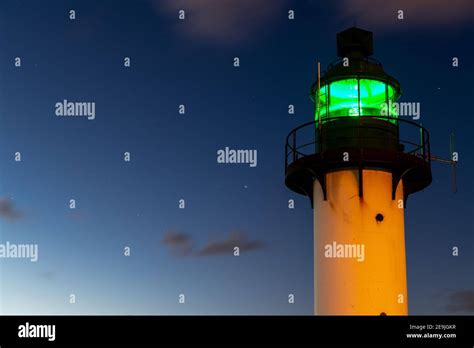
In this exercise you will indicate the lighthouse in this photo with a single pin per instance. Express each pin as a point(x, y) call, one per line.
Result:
point(357, 162)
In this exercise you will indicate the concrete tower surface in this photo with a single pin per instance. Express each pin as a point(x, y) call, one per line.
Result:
point(358, 162)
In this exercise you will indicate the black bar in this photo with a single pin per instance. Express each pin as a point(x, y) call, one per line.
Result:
point(288, 330)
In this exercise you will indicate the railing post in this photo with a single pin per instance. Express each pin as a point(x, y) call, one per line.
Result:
point(422, 145)
point(295, 155)
point(398, 129)
point(429, 152)
point(359, 125)
point(317, 139)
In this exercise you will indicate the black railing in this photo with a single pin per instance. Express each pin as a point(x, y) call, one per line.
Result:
point(309, 138)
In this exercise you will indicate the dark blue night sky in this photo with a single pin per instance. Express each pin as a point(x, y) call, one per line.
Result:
point(173, 156)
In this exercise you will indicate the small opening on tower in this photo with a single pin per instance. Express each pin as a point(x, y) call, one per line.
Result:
point(379, 217)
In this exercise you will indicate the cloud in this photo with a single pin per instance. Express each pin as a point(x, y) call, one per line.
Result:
point(460, 301)
point(48, 275)
point(8, 210)
point(74, 214)
point(226, 246)
point(176, 238)
point(222, 21)
point(419, 13)
point(182, 244)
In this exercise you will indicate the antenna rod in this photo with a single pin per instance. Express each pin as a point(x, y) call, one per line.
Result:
point(452, 161)
point(319, 91)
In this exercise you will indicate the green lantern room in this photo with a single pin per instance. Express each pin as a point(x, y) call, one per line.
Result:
point(356, 125)
point(355, 98)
